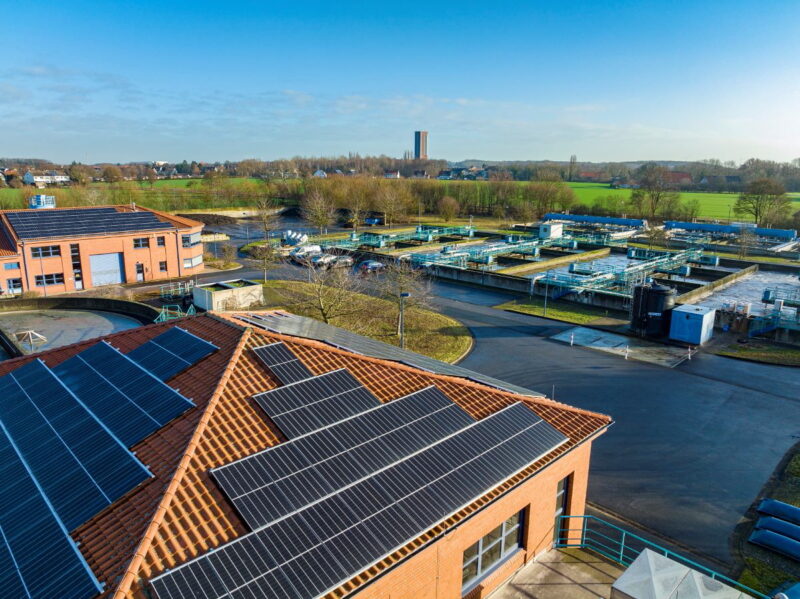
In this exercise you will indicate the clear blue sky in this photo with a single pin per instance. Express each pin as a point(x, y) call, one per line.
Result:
point(147, 80)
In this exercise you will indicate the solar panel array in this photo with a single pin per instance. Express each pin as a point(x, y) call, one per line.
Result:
point(79, 464)
point(282, 363)
point(39, 224)
point(64, 457)
point(128, 399)
point(301, 326)
point(326, 542)
point(284, 478)
point(171, 352)
point(310, 404)
point(37, 556)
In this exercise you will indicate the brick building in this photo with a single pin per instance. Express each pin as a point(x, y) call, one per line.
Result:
point(68, 249)
point(235, 468)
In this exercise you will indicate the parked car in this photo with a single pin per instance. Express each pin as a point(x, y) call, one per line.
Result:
point(342, 262)
point(305, 253)
point(323, 260)
point(371, 267)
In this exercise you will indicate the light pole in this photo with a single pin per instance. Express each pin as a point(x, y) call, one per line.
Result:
point(403, 296)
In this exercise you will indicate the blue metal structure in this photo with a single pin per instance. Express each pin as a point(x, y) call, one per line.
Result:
point(787, 234)
point(623, 547)
point(632, 223)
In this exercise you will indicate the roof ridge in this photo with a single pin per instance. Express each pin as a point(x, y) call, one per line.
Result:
point(130, 574)
point(535, 399)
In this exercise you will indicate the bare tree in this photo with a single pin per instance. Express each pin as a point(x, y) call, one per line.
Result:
point(112, 174)
point(317, 208)
point(656, 187)
point(573, 168)
point(448, 208)
point(399, 278)
point(331, 295)
point(267, 208)
point(765, 200)
point(266, 256)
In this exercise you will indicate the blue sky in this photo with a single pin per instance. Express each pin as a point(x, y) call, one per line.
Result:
point(146, 80)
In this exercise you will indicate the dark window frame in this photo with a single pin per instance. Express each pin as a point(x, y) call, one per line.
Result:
point(141, 243)
point(13, 285)
point(46, 251)
point(507, 537)
point(55, 278)
point(161, 241)
point(162, 266)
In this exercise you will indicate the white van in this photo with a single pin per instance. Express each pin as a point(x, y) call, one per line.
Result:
point(304, 252)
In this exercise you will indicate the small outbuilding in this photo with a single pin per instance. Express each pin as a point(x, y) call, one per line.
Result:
point(692, 324)
point(227, 295)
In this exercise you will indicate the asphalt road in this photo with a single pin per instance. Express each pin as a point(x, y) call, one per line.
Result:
point(691, 447)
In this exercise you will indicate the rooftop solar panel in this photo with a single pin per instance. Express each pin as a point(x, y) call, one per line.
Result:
point(263, 489)
point(79, 464)
point(314, 403)
point(125, 397)
point(171, 352)
point(38, 559)
point(316, 549)
point(42, 224)
point(300, 326)
point(283, 363)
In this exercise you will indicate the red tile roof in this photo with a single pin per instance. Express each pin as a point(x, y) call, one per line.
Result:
point(180, 514)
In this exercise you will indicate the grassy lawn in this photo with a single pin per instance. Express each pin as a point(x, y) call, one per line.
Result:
point(427, 332)
point(560, 310)
point(762, 351)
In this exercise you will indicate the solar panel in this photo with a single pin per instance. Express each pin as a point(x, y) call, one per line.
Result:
point(283, 363)
point(284, 478)
point(301, 326)
point(171, 352)
point(80, 465)
point(307, 405)
point(38, 559)
point(316, 549)
point(125, 397)
point(63, 223)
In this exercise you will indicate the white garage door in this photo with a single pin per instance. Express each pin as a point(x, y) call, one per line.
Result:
point(107, 269)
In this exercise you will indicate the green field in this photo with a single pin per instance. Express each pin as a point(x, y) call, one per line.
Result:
point(712, 205)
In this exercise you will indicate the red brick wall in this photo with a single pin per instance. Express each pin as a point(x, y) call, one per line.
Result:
point(435, 572)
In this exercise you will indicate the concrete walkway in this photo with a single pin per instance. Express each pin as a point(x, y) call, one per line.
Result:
point(626, 347)
point(562, 573)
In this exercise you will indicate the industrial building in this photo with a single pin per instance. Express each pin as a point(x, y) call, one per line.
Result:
point(236, 460)
point(55, 250)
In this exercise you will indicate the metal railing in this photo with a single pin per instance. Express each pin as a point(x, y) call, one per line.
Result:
point(623, 547)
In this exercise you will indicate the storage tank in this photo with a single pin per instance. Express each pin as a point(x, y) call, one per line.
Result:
point(652, 305)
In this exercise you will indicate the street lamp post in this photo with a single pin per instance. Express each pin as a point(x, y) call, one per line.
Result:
point(403, 297)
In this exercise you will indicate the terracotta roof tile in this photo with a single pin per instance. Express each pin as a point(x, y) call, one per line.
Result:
point(180, 513)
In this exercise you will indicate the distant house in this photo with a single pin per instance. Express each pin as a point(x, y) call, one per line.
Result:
point(42, 178)
point(391, 174)
point(320, 174)
point(733, 179)
point(593, 176)
point(444, 175)
point(420, 175)
point(678, 177)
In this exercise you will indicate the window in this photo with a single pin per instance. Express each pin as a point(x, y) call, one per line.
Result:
point(46, 251)
point(161, 241)
point(162, 266)
point(192, 262)
point(11, 265)
point(53, 279)
point(14, 285)
point(492, 549)
point(562, 509)
point(189, 241)
point(141, 242)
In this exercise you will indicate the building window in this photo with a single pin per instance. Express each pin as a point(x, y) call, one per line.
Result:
point(52, 279)
point(562, 509)
point(46, 251)
point(11, 265)
point(488, 552)
point(189, 241)
point(14, 285)
point(161, 241)
point(162, 266)
point(192, 262)
point(141, 242)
